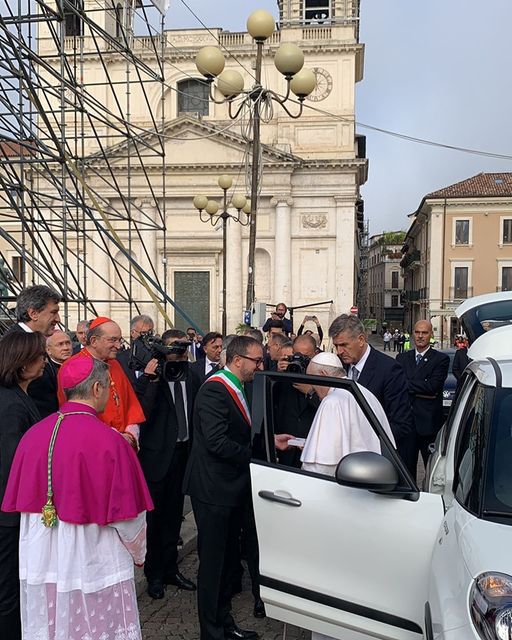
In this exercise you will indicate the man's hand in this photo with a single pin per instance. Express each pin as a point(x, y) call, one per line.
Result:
point(282, 364)
point(274, 316)
point(281, 441)
point(150, 369)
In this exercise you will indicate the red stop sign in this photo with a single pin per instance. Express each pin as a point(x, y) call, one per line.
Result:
point(354, 311)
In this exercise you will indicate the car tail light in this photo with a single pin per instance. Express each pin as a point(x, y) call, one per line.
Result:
point(490, 604)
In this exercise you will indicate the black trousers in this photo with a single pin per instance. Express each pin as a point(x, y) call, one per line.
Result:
point(415, 444)
point(164, 522)
point(10, 622)
point(218, 531)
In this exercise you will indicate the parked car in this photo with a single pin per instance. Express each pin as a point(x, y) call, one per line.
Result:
point(367, 554)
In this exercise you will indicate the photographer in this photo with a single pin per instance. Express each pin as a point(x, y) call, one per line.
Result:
point(279, 314)
point(167, 392)
point(319, 330)
point(295, 405)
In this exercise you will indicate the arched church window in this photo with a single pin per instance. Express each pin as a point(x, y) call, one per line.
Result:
point(317, 11)
point(193, 97)
point(73, 25)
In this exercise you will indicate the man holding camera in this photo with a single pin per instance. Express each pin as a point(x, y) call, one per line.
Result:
point(279, 314)
point(167, 396)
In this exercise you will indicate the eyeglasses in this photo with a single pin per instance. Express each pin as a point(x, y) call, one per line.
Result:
point(113, 340)
point(257, 361)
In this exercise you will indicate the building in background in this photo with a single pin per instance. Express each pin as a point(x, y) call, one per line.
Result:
point(458, 245)
point(385, 281)
point(137, 151)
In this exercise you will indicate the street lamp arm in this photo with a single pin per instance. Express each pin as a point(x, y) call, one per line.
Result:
point(281, 99)
point(292, 115)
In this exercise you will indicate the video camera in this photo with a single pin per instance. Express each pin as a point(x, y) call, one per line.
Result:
point(297, 363)
point(148, 346)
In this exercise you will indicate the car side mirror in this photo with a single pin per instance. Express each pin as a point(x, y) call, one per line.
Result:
point(367, 470)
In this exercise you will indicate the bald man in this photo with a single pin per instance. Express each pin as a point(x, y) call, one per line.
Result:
point(426, 370)
point(43, 391)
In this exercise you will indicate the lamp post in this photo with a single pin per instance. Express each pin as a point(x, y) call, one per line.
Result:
point(289, 60)
point(211, 207)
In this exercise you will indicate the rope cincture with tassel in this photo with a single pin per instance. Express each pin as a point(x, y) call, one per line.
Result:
point(49, 514)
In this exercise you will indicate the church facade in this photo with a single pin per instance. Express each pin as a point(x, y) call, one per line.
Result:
point(309, 215)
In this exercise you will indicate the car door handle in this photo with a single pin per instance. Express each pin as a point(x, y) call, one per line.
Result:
point(274, 497)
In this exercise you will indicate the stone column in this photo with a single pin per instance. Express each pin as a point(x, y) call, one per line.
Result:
point(344, 296)
point(234, 288)
point(282, 249)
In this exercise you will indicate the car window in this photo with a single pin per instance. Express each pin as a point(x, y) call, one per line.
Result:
point(280, 405)
point(470, 451)
point(498, 486)
point(463, 390)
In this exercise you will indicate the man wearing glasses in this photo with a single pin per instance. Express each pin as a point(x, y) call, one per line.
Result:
point(123, 411)
point(218, 481)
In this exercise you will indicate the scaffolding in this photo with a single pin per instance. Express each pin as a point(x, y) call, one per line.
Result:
point(72, 160)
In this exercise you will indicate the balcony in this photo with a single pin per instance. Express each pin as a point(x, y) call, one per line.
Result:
point(410, 259)
point(459, 294)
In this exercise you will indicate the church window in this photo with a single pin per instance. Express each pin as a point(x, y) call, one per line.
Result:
point(193, 97)
point(119, 20)
point(72, 20)
point(317, 11)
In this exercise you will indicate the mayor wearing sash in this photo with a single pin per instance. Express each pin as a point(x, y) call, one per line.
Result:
point(218, 481)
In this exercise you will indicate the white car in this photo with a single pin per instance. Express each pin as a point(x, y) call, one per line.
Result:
point(367, 554)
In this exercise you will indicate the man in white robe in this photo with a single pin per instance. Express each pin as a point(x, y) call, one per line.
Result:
point(83, 499)
point(339, 426)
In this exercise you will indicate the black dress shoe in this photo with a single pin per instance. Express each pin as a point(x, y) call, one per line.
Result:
point(179, 580)
point(235, 633)
point(259, 608)
point(156, 589)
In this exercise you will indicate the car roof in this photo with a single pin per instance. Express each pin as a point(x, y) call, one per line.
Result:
point(491, 373)
point(481, 313)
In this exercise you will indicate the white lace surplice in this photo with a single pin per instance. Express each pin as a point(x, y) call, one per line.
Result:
point(77, 581)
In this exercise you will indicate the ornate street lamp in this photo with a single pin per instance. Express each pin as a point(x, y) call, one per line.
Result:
point(289, 60)
point(211, 208)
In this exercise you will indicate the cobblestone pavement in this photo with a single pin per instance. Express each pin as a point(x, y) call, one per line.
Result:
point(175, 617)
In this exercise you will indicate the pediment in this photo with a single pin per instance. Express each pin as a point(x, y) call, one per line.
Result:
point(192, 142)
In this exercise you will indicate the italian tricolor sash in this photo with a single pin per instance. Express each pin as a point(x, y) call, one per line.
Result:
point(235, 389)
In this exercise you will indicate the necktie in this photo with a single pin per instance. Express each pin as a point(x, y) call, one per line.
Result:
point(355, 374)
point(213, 366)
point(181, 415)
point(419, 358)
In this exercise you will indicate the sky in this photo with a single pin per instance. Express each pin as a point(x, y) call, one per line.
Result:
point(438, 70)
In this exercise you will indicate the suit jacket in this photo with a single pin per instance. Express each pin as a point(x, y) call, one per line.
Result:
point(425, 384)
point(198, 369)
point(460, 362)
point(123, 357)
point(196, 350)
point(19, 413)
point(43, 390)
point(218, 468)
point(385, 378)
point(159, 434)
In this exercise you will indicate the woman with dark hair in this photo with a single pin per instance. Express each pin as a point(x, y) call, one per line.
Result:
point(22, 359)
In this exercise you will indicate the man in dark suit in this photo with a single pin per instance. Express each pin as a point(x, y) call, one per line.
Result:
point(82, 327)
point(196, 344)
point(37, 309)
point(376, 371)
point(218, 481)
point(164, 449)
point(212, 346)
point(138, 326)
point(426, 370)
point(43, 391)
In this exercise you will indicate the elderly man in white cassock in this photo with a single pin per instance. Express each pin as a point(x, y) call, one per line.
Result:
point(340, 426)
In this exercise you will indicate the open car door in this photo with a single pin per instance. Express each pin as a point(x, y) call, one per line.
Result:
point(347, 562)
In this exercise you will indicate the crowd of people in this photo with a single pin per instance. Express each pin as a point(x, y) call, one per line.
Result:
point(81, 502)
